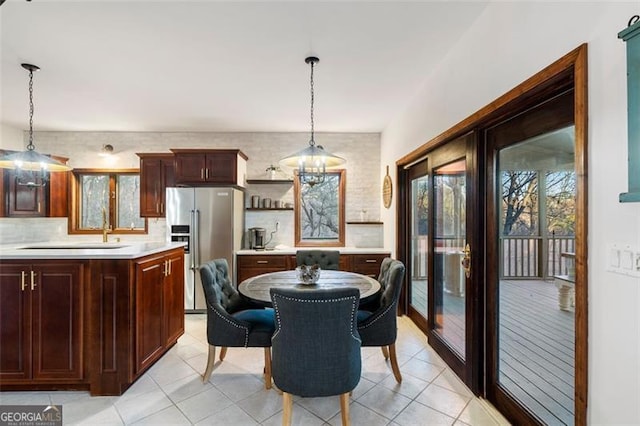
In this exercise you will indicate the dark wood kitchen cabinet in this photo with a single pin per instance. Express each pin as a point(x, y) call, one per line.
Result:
point(88, 324)
point(41, 322)
point(210, 167)
point(159, 306)
point(250, 265)
point(156, 174)
point(367, 264)
point(20, 200)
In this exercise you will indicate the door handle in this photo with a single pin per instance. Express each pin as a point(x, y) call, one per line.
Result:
point(193, 241)
point(197, 238)
point(466, 261)
point(23, 279)
point(33, 280)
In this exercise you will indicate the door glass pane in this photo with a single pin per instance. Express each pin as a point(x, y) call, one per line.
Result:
point(449, 187)
point(536, 331)
point(95, 200)
point(419, 243)
point(129, 202)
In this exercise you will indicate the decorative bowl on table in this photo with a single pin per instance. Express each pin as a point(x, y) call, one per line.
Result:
point(308, 274)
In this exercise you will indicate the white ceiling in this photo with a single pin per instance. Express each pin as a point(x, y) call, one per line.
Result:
point(220, 66)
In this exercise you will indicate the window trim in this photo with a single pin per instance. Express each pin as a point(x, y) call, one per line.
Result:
point(75, 197)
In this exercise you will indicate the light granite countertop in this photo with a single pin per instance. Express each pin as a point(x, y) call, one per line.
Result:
point(84, 250)
point(292, 250)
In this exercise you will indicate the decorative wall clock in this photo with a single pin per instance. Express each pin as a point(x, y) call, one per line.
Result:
point(387, 190)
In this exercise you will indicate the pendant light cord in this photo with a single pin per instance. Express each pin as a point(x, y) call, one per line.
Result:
point(312, 142)
point(30, 147)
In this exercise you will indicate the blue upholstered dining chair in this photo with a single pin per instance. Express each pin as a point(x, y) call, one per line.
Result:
point(231, 321)
point(316, 347)
point(326, 259)
point(377, 323)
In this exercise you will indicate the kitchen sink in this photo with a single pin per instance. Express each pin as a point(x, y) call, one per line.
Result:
point(62, 246)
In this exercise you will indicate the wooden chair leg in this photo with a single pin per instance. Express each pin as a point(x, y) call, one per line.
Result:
point(210, 361)
point(223, 353)
point(394, 363)
point(287, 406)
point(385, 352)
point(267, 368)
point(344, 409)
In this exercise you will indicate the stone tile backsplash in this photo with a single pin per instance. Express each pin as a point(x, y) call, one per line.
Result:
point(363, 182)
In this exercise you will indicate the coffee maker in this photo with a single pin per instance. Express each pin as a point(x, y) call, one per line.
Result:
point(257, 238)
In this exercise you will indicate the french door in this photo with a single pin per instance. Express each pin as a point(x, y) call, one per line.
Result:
point(514, 327)
point(531, 251)
point(441, 204)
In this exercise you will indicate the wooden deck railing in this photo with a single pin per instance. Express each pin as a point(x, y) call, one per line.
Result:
point(522, 257)
point(535, 257)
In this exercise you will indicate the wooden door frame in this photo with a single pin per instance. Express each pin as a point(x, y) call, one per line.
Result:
point(572, 68)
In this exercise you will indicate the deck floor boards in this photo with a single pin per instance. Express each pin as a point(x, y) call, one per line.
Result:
point(536, 345)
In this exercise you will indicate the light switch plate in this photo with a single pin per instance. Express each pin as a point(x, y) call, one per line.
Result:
point(623, 259)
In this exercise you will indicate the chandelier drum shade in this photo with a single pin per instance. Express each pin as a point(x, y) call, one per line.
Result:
point(31, 163)
point(312, 161)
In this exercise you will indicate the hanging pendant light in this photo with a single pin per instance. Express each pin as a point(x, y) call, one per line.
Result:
point(312, 161)
point(33, 168)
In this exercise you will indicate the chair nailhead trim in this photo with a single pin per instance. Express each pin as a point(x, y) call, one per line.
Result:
point(377, 317)
point(354, 302)
point(246, 329)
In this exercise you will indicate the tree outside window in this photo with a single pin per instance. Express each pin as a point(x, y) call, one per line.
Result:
point(319, 211)
point(108, 198)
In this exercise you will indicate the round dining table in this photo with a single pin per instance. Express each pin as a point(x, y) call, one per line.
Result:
point(257, 288)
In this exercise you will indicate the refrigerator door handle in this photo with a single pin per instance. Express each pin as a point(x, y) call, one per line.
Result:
point(197, 236)
point(194, 240)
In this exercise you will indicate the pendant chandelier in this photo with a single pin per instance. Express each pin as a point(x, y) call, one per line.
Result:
point(32, 167)
point(312, 161)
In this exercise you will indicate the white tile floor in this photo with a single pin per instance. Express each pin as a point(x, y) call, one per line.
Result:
point(172, 392)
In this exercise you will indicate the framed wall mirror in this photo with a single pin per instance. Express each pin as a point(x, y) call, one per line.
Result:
point(319, 211)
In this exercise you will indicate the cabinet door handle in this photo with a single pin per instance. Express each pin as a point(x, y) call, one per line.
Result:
point(33, 280)
point(201, 173)
point(262, 262)
point(23, 279)
point(371, 261)
point(206, 173)
point(170, 260)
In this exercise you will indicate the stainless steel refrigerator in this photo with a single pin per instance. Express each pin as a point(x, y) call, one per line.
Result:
point(211, 222)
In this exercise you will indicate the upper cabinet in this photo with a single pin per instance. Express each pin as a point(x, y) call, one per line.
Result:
point(20, 200)
point(210, 167)
point(156, 174)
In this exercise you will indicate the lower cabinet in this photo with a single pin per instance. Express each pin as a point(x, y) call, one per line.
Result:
point(250, 265)
point(159, 307)
point(149, 331)
point(367, 264)
point(41, 322)
point(94, 324)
